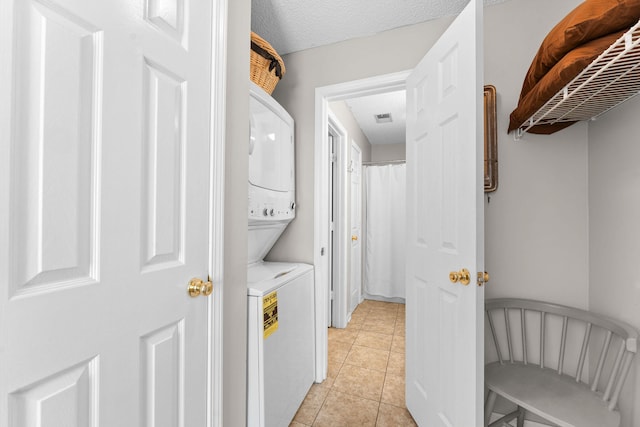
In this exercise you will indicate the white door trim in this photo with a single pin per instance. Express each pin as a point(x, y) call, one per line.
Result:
point(216, 212)
point(341, 225)
point(324, 95)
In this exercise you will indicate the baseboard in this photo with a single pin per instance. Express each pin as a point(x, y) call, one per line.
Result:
point(385, 299)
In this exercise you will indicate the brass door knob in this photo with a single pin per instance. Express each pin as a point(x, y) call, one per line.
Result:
point(354, 238)
point(199, 287)
point(463, 276)
point(483, 277)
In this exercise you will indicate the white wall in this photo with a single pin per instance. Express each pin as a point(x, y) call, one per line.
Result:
point(354, 59)
point(614, 228)
point(344, 115)
point(536, 223)
point(381, 152)
point(235, 215)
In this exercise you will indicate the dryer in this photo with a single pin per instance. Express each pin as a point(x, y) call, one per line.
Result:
point(271, 172)
point(280, 365)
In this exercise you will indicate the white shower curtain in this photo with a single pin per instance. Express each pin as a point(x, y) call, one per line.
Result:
point(384, 271)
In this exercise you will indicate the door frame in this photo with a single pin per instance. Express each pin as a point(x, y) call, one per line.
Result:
point(217, 133)
point(324, 95)
point(348, 284)
point(338, 251)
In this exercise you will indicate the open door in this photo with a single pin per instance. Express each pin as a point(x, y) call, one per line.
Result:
point(355, 284)
point(445, 234)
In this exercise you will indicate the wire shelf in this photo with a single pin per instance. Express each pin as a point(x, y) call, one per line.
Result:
point(612, 78)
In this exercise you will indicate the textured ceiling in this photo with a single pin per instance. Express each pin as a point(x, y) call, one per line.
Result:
point(365, 108)
point(293, 25)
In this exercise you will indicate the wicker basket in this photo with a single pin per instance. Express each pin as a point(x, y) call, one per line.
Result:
point(267, 68)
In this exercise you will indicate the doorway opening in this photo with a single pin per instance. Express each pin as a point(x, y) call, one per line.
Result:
point(323, 193)
point(336, 255)
point(337, 225)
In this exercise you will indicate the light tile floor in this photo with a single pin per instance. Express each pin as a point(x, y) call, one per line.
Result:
point(365, 384)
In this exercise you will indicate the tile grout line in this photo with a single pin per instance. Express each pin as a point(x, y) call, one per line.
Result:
point(359, 329)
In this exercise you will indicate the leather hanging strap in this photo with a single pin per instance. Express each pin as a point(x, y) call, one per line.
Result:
point(274, 63)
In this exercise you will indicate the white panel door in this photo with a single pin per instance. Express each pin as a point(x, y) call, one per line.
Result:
point(444, 339)
point(355, 282)
point(104, 190)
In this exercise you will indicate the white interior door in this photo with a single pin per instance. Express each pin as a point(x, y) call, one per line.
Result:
point(332, 247)
point(355, 282)
point(444, 339)
point(104, 191)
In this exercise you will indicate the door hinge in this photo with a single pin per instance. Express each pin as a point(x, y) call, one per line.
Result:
point(334, 157)
point(331, 296)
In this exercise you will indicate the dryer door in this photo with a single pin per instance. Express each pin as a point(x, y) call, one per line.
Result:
point(271, 158)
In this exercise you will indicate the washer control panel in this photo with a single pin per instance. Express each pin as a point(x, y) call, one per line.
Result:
point(270, 205)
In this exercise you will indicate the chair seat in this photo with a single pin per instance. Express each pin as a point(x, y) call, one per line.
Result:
point(557, 398)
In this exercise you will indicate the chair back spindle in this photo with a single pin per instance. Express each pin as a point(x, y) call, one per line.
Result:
point(542, 329)
point(563, 344)
point(583, 351)
point(508, 328)
point(603, 355)
point(523, 322)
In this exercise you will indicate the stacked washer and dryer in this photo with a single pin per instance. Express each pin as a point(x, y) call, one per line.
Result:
point(280, 366)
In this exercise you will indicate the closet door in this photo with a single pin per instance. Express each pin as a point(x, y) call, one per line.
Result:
point(444, 337)
point(104, 190)
point(355, 284)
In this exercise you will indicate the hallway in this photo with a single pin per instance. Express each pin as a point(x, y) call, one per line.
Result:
point(365, 381)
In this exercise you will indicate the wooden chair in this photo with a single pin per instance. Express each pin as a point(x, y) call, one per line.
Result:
point(533, 339)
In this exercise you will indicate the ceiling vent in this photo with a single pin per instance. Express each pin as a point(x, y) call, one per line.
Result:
point(383, 118)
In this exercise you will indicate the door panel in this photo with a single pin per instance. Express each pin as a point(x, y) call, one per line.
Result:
point(445, 228)
point(168, 17)
point(104, 216)
point(63, 399)
point(162, 366)
point(52, 244)
point(162, 167)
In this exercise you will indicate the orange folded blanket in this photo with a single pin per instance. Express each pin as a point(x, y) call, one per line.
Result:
point(555, 79)
point(570, 46)
point(590, 20)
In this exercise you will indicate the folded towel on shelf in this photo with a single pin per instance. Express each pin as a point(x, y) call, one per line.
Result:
point(591, 20)
point(555, 79)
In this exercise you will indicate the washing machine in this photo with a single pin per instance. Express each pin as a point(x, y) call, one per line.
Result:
point(281, 352)
point(280, 341)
